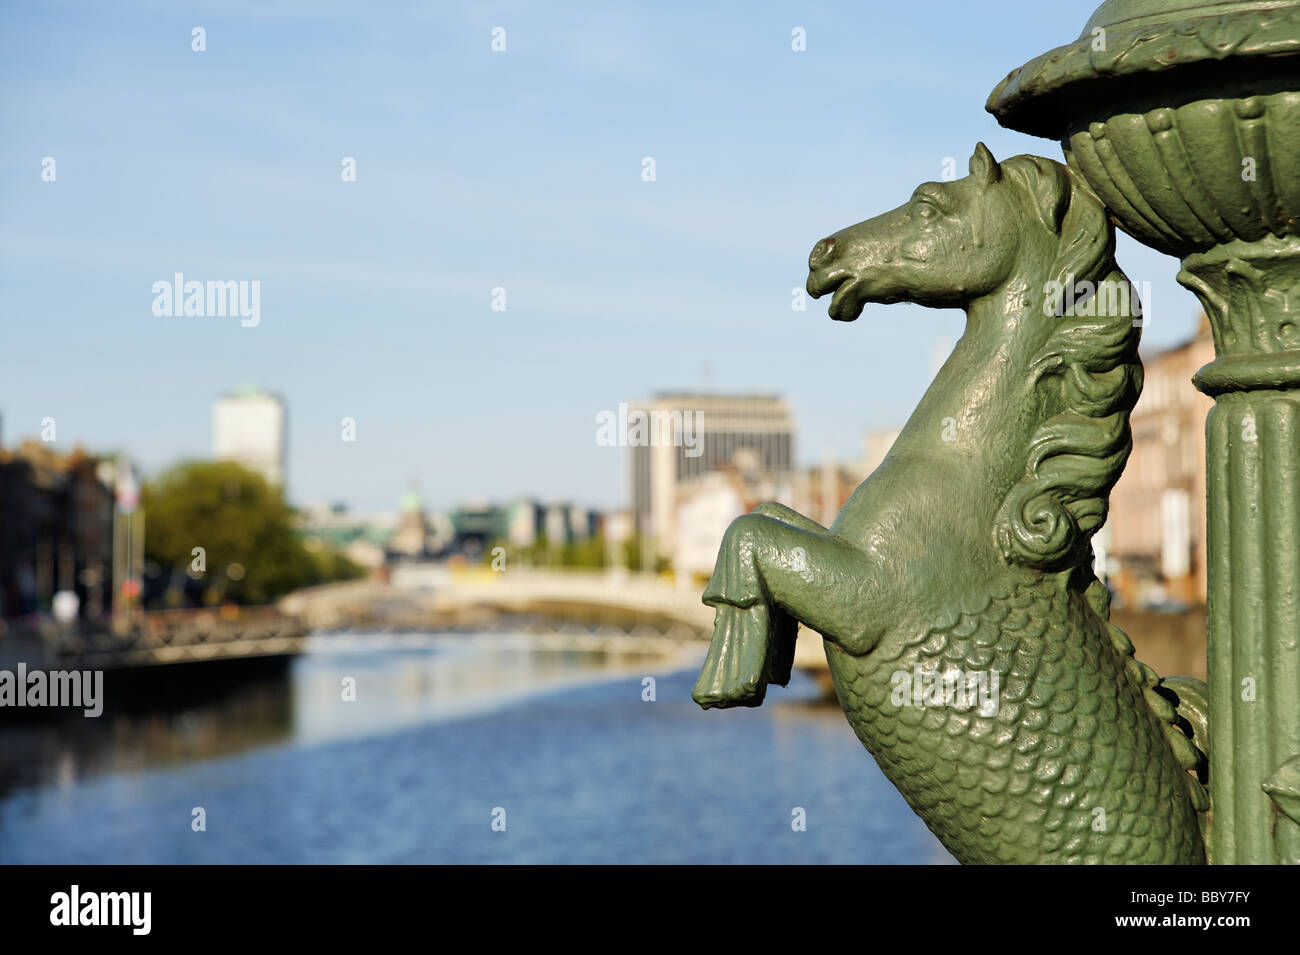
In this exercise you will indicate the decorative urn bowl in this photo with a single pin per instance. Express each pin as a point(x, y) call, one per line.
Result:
point(1183, 116)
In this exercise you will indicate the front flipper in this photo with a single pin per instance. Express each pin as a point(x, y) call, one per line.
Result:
point(771, 575)
point(752, 647)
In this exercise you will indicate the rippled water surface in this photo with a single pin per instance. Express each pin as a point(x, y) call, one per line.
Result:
point(446, 732)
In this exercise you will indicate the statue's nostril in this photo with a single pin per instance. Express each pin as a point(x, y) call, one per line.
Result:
point(821, 253)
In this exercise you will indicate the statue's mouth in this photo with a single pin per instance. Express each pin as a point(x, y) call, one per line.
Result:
point(848, 300)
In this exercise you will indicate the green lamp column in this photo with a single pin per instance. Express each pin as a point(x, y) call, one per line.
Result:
point(1184, 117)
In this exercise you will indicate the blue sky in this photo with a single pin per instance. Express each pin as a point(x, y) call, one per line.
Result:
point(478, 170)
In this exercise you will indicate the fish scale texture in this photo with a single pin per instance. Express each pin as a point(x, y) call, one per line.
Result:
point(1071, 734)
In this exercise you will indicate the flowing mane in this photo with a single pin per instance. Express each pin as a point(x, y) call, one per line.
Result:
point(1088, 372)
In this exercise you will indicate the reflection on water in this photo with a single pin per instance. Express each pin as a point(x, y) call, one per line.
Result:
point(407, 680)
point(154, 729)
point(443, 730)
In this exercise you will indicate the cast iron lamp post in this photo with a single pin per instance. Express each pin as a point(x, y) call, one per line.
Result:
point(1183, 116)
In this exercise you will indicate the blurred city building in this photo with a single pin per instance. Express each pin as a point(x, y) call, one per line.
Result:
point(1156, 552)
point(707, 505)
point(248, 426)
point(525, 523)
point(691, 435)
point(618, 528)
point(820, 492)
point(477, 524)
point(583, 523)
point(411, 536)
point(363, 538)
point(413, 533)
point(876, 445)
point(521, 523)
point(56, 531)
point(707, 508)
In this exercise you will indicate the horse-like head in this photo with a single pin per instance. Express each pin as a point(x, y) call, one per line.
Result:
point(947, 245)
point(1037, 393)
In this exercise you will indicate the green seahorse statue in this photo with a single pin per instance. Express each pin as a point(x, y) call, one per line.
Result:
point(967, 635)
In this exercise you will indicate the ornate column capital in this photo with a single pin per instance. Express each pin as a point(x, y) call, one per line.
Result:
point(1251, 293)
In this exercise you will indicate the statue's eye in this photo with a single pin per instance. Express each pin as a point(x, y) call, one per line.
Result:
point(925, 209)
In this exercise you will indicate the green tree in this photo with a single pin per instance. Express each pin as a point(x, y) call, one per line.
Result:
point(247, 531)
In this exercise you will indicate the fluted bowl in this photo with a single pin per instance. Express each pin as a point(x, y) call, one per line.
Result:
point(1182, 115)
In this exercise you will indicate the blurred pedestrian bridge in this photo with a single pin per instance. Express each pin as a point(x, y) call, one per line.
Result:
point(594, 611)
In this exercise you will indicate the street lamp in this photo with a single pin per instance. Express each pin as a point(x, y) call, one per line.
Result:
point(1183, 116)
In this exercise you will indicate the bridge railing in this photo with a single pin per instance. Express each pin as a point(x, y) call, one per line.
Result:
point(175, 636)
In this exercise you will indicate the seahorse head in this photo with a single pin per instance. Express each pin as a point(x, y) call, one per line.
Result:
point(1049, 360)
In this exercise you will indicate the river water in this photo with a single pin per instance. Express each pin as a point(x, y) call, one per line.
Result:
point(448, 734)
